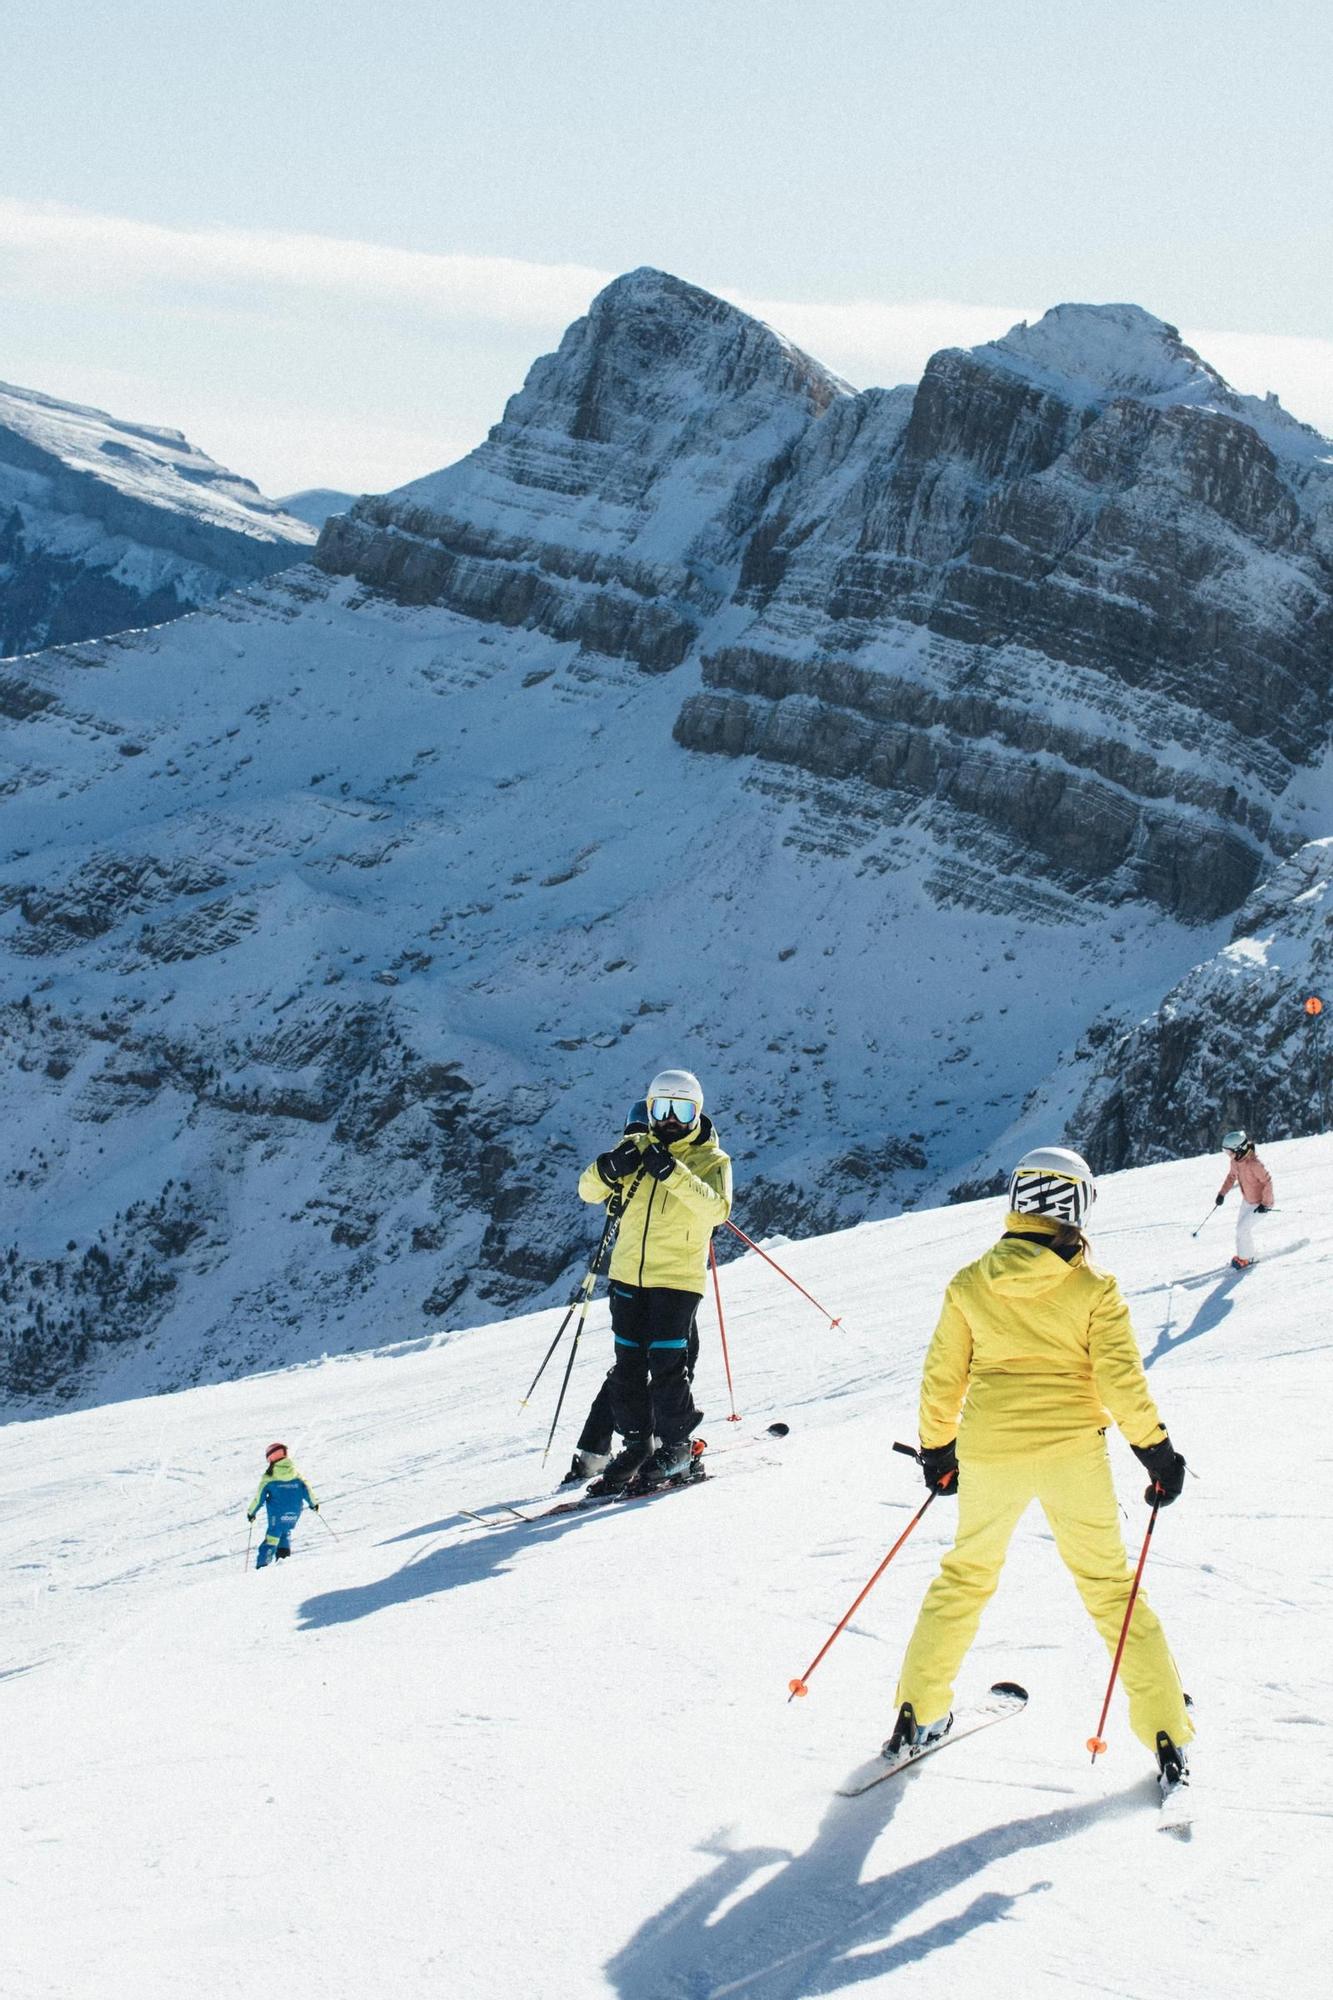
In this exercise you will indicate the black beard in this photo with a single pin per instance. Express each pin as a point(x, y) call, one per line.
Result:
point(670, 1130)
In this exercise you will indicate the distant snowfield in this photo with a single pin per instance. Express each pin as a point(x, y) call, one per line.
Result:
point(430, 1758)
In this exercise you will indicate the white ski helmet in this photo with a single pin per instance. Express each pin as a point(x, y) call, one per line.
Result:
point(1052, 1181)
point(1235, 1142)
point(675, 1089)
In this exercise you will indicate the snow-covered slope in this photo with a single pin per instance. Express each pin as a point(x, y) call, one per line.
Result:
point(314, 504)
point(864, 752)
point(106, 524)
point(558, 1759)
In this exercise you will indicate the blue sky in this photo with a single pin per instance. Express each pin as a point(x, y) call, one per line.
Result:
point(326, 240)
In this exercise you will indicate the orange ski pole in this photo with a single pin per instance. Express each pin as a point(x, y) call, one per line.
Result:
point(722, 1329)
point(799, 1686)
point(1097, 1743)
point(750, 1244)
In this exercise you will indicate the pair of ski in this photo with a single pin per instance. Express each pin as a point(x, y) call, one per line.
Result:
point(1005, 1699)
point(588, 1503)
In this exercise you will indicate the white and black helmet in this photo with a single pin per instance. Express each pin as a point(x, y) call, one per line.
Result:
point(675, 1101)
point(1235, 1142)
point(1051, 1180)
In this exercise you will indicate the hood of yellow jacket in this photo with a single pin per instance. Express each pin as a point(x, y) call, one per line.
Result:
point(282, 1468)
point(1028, 1267)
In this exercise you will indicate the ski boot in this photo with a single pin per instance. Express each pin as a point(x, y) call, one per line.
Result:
point(585, 1465)
point(910, 1736)
point(1173, 1771)
point(669, 1465)
point(618, 1474)
point(281, 1553)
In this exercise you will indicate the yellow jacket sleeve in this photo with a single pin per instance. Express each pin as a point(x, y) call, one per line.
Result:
point(591, 1185)
point(1117, 1369)
point(258, 1500)
point(945, 1376)
point(711, 1204)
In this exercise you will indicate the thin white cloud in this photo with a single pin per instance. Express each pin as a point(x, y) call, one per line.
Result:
point(304, 294)
point(56, 246)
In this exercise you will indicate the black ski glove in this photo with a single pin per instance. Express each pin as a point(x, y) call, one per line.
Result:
point(1261, 1208)
point(620, 1161)
point(251, 1519)
point(940, 1467)
point(659, 1163)
point(1220, 1199)
point(1165, 1467)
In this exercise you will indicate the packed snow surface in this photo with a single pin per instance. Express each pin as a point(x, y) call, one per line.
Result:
point(434, 1757)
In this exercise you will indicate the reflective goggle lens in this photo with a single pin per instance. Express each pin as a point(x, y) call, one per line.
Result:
point(682, 1109)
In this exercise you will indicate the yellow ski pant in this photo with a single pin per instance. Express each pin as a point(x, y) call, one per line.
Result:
point(1078, 1500)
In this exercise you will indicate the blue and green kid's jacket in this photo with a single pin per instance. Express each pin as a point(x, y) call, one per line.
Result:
point(282, 1491)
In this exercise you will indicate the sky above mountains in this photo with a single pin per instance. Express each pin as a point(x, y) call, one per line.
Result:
point(329, 255)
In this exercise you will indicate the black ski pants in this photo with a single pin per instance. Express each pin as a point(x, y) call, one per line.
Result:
point(650, 1382)
point(599, 1426)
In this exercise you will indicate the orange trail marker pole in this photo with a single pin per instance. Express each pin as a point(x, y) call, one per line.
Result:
point(1097, 1743)
point(722, 1329)
point(751, 1245)
point(800, 1685)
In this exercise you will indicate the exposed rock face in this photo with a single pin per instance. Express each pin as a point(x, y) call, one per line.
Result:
point(611, 505)
point(106, 525)
point(375, 893)
point(1092, 611)
point(1231, 1044)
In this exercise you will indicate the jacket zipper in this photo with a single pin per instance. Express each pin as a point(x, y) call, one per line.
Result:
point(643, 1242)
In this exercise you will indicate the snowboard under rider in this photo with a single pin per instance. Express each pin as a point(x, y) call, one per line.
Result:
point(1032, 1358)
point(673, 1185)
point(592, 1453)
point(1248, 1172)
point(282, 1493)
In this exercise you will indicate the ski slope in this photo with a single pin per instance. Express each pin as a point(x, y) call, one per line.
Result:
point(433, 1758)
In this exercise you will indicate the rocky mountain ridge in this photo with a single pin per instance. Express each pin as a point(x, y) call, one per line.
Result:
point(106, 525)
point(883, 757)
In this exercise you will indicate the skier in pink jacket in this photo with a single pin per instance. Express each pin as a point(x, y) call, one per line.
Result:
point(1248, 1172)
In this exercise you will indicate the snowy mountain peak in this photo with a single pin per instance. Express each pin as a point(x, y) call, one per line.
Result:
point(106, 525)
point(147, 463)
point(1093, 354)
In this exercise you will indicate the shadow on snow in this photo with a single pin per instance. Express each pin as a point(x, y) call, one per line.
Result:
point(794, 1936)
point(485, 1553)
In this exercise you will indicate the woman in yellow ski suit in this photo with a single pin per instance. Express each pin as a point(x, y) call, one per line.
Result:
point(1035, 1349)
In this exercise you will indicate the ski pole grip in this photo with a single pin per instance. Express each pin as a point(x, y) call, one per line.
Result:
point(909, 1451)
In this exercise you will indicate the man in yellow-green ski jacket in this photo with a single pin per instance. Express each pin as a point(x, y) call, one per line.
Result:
point(672, 1189)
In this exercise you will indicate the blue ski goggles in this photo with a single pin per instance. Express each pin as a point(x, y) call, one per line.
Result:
point(663, 1109)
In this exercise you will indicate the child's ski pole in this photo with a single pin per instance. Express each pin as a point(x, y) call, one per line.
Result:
point(1208, 1218)
point(249, 1537)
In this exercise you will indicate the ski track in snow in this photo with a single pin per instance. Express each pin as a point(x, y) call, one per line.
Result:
point(557, 1759)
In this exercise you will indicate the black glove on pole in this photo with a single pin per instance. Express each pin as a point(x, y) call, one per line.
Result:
point(621, 1160)
point(1165, 1467)
point(940, 1467)
point(658, 1162)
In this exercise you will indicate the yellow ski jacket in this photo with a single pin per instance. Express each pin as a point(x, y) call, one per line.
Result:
point(667, 1225)
point(1034, 1352)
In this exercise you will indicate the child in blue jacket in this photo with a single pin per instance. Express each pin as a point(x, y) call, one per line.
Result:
point(283, 1492)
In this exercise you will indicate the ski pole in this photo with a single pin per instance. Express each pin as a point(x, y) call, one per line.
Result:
point(608, 1238)
point(569, 1370)
point(332, 1530)
point(722, 1329)
point(586, 1283)
point(800, 1686)
point(749, 1242)
point(1097, 1743)
point(249, 1537)
point(1208, 1218)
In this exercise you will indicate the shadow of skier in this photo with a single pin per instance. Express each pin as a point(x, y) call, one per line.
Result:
point(480, 1556)
point(791, 1939)
point(1210, 1315)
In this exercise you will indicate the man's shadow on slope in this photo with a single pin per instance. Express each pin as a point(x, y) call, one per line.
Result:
point(485, 1553)
point(791, 1939)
